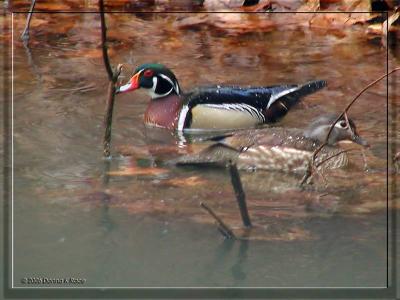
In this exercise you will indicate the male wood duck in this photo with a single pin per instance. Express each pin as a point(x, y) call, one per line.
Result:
point(215, 107)
point(287, 150)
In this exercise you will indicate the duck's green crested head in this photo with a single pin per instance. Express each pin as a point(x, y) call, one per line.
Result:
point(156, 78)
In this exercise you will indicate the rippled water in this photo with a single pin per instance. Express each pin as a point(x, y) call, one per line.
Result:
point(72, 219)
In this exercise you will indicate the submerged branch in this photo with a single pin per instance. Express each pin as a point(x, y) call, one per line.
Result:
point(222, 227)
point(239, 193)
point(109, 112)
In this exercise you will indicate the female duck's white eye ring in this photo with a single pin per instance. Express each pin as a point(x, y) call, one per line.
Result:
point(341, 124)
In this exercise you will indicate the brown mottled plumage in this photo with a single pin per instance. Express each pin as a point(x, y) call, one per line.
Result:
point(287, 150)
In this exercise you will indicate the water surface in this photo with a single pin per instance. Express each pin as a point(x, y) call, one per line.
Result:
point(72, 219)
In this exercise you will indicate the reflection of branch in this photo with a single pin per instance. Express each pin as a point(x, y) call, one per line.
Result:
point(25, 33)
point(239, 193)
point(31, 62)
point(309, 171)
point(223, 228)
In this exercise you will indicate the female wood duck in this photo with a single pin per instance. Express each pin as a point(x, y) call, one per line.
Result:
point(288, 150)
point(216, 107)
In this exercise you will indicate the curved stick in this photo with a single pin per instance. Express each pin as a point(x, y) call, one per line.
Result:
point(344, 113)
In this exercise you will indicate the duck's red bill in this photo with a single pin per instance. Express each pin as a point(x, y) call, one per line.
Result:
point(133, 84)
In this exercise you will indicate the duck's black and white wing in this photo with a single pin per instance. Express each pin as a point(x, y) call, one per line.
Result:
point(232, 107)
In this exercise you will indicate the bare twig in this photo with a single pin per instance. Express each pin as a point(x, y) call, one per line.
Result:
point(223, 228)
point(109, 113)
point(113, 78)
point(25, 33)
point(344, 113)
point(309, 171)
point(104, 41)
point(239, 193)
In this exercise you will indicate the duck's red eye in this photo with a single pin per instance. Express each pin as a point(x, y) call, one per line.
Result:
point(148, 73)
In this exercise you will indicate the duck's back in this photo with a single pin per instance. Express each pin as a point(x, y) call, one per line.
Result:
point(234, 107)
point(281, 149)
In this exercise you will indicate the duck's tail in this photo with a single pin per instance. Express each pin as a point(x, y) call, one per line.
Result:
point(282, 101)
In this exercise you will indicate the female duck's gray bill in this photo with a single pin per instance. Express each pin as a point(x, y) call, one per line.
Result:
point(359, 140)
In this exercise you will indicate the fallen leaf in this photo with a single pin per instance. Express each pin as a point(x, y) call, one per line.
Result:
point(309, 5)
point(49, 6)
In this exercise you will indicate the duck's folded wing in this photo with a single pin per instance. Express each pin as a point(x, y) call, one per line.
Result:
point(283, 99)
point(242, 106)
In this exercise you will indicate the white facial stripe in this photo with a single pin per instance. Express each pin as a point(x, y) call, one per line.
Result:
point(152, 90)
point(171, 82)
point(277, 96)
point(182, 117)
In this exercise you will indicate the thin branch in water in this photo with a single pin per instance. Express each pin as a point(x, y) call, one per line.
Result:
point(109, 112)
point(222, 227)
point(104, 41)
point(25, 33)
point(239, 193)
point(344, 113)
point(113, 78)
point(309, 172)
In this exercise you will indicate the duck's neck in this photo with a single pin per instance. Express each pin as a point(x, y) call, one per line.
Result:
point(163, 112)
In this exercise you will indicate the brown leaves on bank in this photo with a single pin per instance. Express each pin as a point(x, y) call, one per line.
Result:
point(391, 26)
point(330, 15)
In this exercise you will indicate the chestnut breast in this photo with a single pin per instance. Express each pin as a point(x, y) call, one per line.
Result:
point(163, 112)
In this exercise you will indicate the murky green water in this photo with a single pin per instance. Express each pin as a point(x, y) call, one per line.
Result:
point(71, 220)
